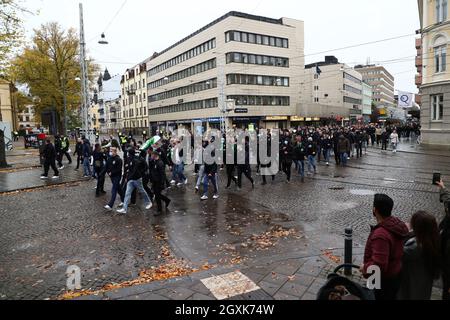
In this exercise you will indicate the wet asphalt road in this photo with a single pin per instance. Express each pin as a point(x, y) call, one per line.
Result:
point(44, 231)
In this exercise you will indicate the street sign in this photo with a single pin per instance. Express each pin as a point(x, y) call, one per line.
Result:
point(240, 110)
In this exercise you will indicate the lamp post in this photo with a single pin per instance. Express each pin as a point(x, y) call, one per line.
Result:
point(84, 77)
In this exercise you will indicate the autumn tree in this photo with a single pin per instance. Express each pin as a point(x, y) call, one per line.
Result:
point(11, 35)
point(49, 67)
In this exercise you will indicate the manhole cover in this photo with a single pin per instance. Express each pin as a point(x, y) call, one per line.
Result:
point(361, 192)
point(336, 188)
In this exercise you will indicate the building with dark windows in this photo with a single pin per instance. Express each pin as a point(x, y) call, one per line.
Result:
point(256, 61)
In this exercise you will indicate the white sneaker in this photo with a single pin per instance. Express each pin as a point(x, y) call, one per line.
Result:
point(172, 182)
point(121, 211)
point(179, 184)
point(44, 177)
point(55, 177)
point(186, 181)
point(61, 168)
point(121, 205)
point(107, 207)
point(149, 206)
point(204, 197)
point(216, 196)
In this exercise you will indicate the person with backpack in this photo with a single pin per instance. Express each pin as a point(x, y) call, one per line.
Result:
point(421, 263)
point(384, 247)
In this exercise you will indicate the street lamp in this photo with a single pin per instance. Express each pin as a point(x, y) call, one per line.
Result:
point(103, 39)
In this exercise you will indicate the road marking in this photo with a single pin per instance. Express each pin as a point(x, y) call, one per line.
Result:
point(229, 285)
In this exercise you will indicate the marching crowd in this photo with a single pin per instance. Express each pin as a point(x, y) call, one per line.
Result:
point(411, 256)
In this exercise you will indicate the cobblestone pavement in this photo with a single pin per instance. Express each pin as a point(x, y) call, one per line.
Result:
point(44, 231)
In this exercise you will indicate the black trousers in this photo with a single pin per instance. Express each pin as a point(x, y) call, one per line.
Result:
point(247, 171)
point(79, 160)
point(287, 165)
point(100, 182)
point(145, 181)
point(157, 189)
point(48, 164)
point(384, 144)
point(68, 157)
point(337, 158)
point(230, 175)
point(358, 150)
point(59, 156)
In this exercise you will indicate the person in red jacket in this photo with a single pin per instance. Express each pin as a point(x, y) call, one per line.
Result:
point(384, 247)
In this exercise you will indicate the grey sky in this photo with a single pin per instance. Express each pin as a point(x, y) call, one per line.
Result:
point(143, 27)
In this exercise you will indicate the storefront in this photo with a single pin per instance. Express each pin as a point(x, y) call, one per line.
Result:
point(252, 123)
point(275, 122)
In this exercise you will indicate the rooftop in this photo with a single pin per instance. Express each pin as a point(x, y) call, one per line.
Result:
point(229, 14)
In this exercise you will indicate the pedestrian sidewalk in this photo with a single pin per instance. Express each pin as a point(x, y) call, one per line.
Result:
point(411, 146)
point(290, 278)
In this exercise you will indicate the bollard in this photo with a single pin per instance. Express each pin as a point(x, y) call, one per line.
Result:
point(348, 251)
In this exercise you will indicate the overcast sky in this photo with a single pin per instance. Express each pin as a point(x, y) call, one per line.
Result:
point(143, 27)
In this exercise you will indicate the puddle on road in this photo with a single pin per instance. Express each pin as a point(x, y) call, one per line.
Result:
point(362, 192)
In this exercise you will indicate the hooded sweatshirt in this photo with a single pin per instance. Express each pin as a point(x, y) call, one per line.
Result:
point(384, 247)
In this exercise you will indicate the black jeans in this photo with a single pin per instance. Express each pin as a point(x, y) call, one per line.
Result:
point(157, 189)
point(230, 174)
point(100, 182)
point(287, 165)
point(68, 157)
point(247, 171)
point(337, 157)
point(48, 164)
point(359, 150)
point(79, 160)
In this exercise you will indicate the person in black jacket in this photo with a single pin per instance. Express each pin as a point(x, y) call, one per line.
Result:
point(79, 153)
point(210, 174)
point(59, 151)
point(245, 167)
point(137, 169)
point(49, 155)
point(359, 139)
point(299, 156)
point(286, 158)
point(326, 146)
point(158, 180)
point(114, 169)
point(269, 154)
point(99, 164)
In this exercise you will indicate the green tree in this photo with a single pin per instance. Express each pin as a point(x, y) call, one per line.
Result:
point(49, 67)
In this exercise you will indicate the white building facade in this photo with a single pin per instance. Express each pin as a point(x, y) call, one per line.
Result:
point(256, 61)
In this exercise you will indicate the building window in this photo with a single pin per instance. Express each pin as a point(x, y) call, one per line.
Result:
point(441, 10)
point(316, 88)
point(316, 100)
point(440, 58)
point(437, 107)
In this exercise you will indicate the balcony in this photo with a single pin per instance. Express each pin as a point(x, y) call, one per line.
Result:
point(418, 79)
point(419, 43)
point(419, 62)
